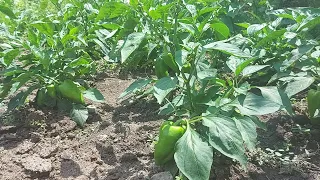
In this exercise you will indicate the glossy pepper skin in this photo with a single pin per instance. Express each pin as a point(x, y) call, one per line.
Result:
point(313, 100)
point(51, 90)
point(40, 98)
point(70, 91)
point(169, 135)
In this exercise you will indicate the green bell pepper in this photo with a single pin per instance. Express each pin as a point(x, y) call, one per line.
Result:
point(313, 100)
point(169, 134)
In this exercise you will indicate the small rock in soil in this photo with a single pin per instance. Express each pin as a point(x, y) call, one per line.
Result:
point(36, 164)
point(162, 176)
point(47, 150)
point(35, 137)
point(66, 155)
point(102, 138)
point(25, 147)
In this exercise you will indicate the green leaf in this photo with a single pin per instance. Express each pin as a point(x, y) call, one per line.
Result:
point(94, 95)
point(221, 29)
point(163, 87)
point(132, 42)
point(252, 104)
point(270, 37)
point(297, 85)
point(7, 11)
point(252, 29)
point(44, 27)
point(227, 48)
point(181, 58)
point(252, 69)
point(225, 137)
point(112, 10)
point(79, 114)
point(244, 64)
point(135, 86)
point(310, 24)
point(278, 96)
point(193, 156)
point(10, 56)
point(166, 109)
point(20, 98)
point(111, 26)
point(207, 74)
point(248, 131)
point(104, 49)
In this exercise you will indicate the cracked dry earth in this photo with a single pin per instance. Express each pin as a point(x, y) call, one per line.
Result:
point(114, 144)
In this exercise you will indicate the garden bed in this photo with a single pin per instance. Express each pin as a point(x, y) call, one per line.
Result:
point(116, 143)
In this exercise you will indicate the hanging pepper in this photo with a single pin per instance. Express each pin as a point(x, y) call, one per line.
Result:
point(70, 91)
point(313, 100)
point(51, 90)
point(170, 133)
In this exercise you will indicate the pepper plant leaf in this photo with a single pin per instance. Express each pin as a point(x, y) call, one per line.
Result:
point(132, 43)
point(94, 95)
point(224, 136)
point(227, 48)
point(79, 114)
point(252, 104)
point(193, 156)
point(135, 86)
point(163, 87)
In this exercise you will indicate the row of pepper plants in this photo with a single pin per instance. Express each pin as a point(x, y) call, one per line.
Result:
point(212, 72)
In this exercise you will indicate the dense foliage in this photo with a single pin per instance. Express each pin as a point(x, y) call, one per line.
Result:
point(214, 68)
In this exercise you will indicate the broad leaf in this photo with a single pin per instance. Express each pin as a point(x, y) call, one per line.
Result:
point(207, 74)
point(135, 86)
point(10, 56)
point(270, 37)
point(221, 30)
point(225, 137)
point(278, 96)
point(248, 131)
point(252, 69)
point(227, 48)
point(163, 87)
point(252, 29)
point(252, 104)
point(243, 65)
point(44, 27)
point(79, 114)
point(7, 11)
point(310, 24)
point(297, 85)
point(20, 98)
point(193, 156)
point(132, 42)
point(94, 95)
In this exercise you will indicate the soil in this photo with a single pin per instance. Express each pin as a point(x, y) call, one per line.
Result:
point(116, 143)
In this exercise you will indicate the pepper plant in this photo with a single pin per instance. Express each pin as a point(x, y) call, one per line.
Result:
point(52, 56)
point(206, 81)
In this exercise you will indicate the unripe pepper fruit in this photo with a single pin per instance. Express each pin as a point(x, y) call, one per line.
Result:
point(313, 100)
point(51, 90)
point(169, 135)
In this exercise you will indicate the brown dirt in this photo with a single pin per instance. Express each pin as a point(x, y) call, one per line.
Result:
point(116, 143)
